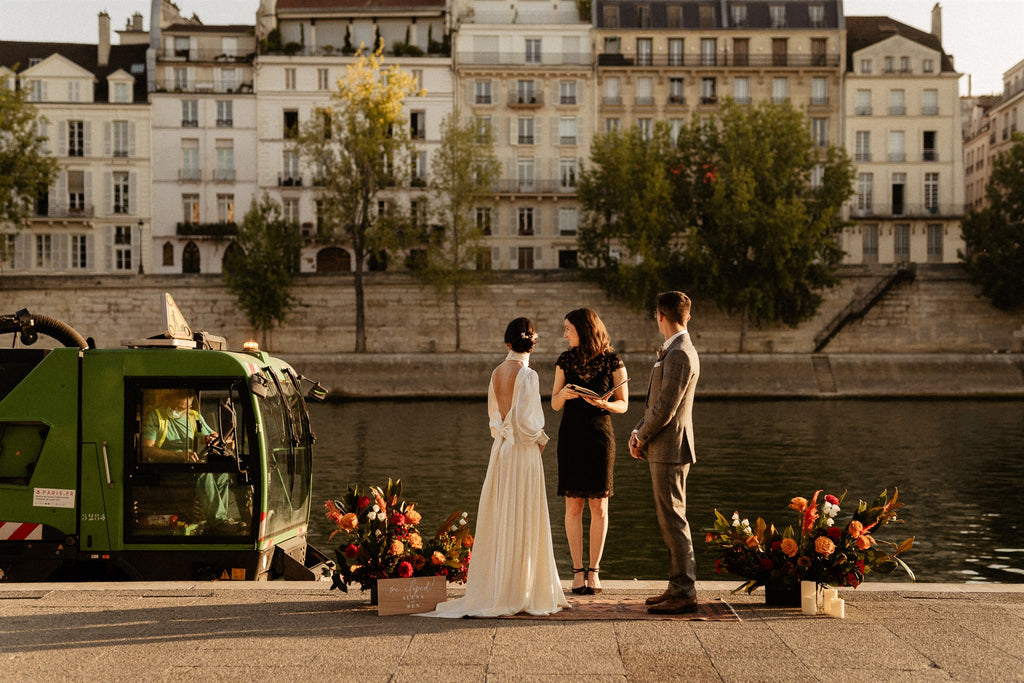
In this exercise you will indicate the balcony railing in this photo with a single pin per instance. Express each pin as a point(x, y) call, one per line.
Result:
point(909, 211)
point(203, 55)
point(224, 174)
point(214, 230)
point(64, 211)
point(644, 101)
point(513, 186)
point(219, 86)
point(897, 110)
point(863, 111)
point(677, 99)
point(188, 175)
point(289, 180)
point(722, 59)
point(525, 99)
point(930, 110)
point(514, 58)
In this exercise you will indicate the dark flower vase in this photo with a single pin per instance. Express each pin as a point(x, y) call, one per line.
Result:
point(373, 593)
point(782, 595)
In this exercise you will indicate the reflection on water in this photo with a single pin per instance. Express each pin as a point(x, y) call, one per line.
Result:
point(959, 466)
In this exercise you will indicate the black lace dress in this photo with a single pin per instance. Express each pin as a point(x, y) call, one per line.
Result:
point(586, 443)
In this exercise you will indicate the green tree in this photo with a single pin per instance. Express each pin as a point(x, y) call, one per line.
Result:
point(463, 171)
point(358, 147)
point(729, 208)
point(994, 235)
point(259, 267)
point(26, 170)
point(629, 238)
point(765, 242)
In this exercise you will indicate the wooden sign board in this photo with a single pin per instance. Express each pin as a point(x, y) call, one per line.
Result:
point(410, 596)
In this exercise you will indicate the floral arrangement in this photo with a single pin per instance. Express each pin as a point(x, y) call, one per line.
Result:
point(820, 548)
point(381, 539)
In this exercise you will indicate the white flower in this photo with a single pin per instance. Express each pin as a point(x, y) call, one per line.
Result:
point(376, 508)
point(829, 521)
point(736, 516)
point(382, 517)
point(747, 530)
point(746, 523)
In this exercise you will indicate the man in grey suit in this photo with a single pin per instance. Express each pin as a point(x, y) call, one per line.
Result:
point(665, 435)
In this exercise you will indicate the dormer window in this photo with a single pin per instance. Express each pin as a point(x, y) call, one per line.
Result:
point(122, 92)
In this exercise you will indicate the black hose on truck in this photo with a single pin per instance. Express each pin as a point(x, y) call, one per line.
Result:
point(30, 326)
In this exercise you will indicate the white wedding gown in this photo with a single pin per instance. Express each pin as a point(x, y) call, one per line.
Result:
point(512, 568)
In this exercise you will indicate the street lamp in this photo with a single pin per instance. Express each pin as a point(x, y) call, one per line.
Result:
point(141, 271)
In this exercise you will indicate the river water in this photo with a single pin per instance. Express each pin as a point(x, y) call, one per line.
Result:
point(959, 466)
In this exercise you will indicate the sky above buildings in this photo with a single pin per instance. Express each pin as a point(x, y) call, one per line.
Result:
point(982, 35)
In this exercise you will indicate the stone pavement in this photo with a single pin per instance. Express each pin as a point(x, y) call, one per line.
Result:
point(291, 631)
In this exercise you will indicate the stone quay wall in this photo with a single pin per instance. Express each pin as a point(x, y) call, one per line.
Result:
point(410, 327)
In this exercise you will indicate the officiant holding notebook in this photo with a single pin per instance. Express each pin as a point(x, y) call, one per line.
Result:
point(590, 384)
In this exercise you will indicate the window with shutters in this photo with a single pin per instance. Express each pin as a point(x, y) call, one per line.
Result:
point(120, 129)
point(123, 248)
point(120, 187)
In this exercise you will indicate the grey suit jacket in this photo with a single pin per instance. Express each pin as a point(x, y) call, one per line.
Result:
point(666, 430)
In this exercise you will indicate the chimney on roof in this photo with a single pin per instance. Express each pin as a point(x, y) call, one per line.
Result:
point(103, 48)
point(137, 22)
point(937, 21)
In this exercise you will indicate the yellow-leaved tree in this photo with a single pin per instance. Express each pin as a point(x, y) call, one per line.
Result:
point(358, 150)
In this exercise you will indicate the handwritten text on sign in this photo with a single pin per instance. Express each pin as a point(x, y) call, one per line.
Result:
point(410, 596)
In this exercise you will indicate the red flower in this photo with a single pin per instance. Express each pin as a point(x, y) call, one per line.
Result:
point(363, 502)
point(834, 533)
point(776, 545)
point(404, 569)
point(766, 563)
point(397, 518)
point(811, 513)
point(831, 499)
point(718, 566)
point(351, 551)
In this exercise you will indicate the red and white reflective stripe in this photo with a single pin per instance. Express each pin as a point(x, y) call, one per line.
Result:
point(18, 531)
point(253, 368)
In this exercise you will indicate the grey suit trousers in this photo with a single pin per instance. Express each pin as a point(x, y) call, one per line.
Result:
point(668, 482)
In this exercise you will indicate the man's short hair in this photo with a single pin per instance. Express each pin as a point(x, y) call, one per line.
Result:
point(675, 306)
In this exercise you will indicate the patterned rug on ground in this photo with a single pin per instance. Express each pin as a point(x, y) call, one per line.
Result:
point(634, 609)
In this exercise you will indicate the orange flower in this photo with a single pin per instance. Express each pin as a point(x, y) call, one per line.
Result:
point(709, 538)
point(864, 541)
point(789, 547)
point(437, 557)
point(752, 542)
point(803, 561)
point(348, 521)
point(799, 504)
point(396, 548)
point(824, 545)
point(411, 515)
point(855, 529)
point(467, 542)
point(415, 541)
point(811, 513)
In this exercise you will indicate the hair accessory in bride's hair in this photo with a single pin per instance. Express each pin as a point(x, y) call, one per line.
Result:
point(531, 337)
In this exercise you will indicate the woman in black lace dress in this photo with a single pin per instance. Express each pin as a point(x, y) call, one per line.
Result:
point(586, 444)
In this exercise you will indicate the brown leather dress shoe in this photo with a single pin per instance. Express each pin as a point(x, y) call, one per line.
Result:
point(675, 605)
point(655, 599)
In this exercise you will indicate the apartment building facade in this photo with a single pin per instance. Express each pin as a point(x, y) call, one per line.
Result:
point(994, 121)
point(204, 135)
point(666, 61)
point(523, 71)
point(311, 42)
point(903, 129)
point(95, 114)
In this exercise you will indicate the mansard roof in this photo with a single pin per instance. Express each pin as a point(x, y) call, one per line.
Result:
point(19, 54)
point(862, 32)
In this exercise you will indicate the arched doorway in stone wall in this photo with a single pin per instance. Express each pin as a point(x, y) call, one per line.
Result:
point(333, 260)
point(190, 258)
point(232, 253)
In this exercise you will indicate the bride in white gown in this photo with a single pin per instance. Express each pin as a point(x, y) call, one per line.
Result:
point(512, 568)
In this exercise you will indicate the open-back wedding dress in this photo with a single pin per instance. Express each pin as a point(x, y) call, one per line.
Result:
point(513, 563)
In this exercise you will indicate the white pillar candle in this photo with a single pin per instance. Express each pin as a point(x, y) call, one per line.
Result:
point(809, 605)
point(837, 608)
point(808, 589)
point(830, 594)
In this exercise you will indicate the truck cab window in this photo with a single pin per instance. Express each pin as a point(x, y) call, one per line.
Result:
point(191, 475)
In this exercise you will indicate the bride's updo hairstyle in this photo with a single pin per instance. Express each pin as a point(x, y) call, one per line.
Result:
point(520, 335)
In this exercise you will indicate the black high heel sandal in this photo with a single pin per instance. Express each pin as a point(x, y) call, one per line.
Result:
point(580, 590)
point(590, 589)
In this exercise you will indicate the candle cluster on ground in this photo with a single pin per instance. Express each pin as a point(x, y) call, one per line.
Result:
point(816, 599)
